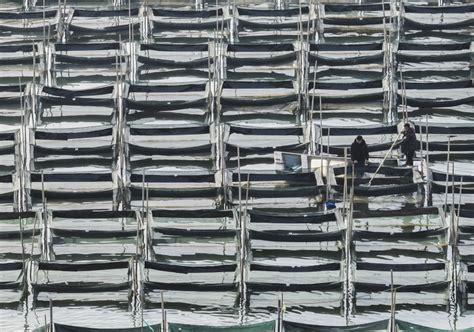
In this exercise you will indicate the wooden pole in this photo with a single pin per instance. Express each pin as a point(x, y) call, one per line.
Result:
point(383, 160)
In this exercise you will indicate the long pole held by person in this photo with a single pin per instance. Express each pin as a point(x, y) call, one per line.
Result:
point(385, 158)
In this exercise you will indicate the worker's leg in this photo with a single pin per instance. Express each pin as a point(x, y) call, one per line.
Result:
point(410, 156)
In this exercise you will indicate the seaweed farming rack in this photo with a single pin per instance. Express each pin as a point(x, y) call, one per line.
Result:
point(181, 159)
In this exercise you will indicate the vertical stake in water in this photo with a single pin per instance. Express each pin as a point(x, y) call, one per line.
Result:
point(240, 186)
point(427, 141)
point(392, 304)
point(22, 244)
point(51, 314)
point(328, 161)
point(280, 314)
point(454, 259)
point(45, 220)
point(453, 213)
point(311, 111)
point(143, 194)
point(321, 133)
point(447, 176)
point(344, 198)
point(163, 313)
point(22, 143)
point(348, 239)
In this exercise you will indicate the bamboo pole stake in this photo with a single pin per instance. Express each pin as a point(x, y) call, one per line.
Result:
point(163, 313)
point(44, 24)
point(143, 193)
point(321, 132)
point(22, 244)
point(459, 211)
point(348, 247)
point(427, 141)
point(240, 186)
point(447, 175)
point(33, 236)
point(146, 225)
point(393, 303)
point(247, 193)
point(328, 161)
point(51, 314)
point(279, 316)
point(453, 213)
point(344, 210)
point(21, 148)
point(45, 221)
point(312, 110)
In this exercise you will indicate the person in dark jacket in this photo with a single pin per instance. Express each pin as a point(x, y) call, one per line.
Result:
point(409, 143)
point(359, 151)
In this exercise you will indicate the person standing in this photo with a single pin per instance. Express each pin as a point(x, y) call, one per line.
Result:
point(359, 151)
point(409, 143)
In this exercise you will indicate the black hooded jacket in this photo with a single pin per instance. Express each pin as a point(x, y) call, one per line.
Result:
point(409, 141)
point(359, 151)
